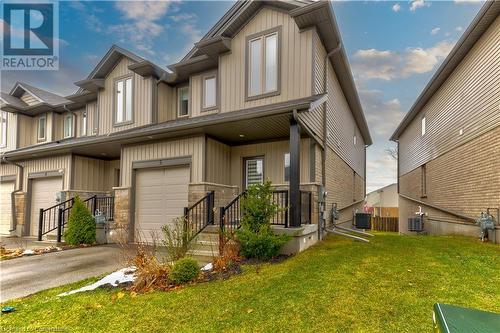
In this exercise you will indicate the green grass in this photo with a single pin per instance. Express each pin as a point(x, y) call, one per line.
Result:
point(388, 285)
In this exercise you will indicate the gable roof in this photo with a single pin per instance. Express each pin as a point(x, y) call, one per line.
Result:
point(307, 14)
point(43, 96)
point(486, 16)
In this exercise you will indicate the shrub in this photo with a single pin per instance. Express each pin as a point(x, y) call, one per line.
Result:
point(263, 246)
point(81, 225)
point(184, 270)
point(149, 274)
point(258, 207)
point(177, 238)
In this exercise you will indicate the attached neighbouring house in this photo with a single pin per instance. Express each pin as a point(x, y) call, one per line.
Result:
point(267, 93)
point(449, 142)
point(383, 202)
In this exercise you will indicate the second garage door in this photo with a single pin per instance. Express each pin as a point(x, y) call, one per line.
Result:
point(43, 195)
point(6, 188)
point(160, 196)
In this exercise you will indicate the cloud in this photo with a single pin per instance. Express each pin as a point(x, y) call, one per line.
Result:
point(435, 31)
point(396, 7)
point(381, 170)
point(459, 29)
point(468, 1)
point(416, 4)
point(183, 17)
point(388, 65)
point(382, 115)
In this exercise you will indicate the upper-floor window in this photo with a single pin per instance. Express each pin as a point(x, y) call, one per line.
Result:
point(183, 103)
point(123, 100)
point(84, 123)
point(3, 129)
point(423, 181)
point(68, 126)
point(42, 128)
point(355, 139)
point(422, 126)
point(263, 64)
point(209, 92)
point(287, 167)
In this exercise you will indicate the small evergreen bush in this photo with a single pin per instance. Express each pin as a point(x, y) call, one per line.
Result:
point(263, 246)
point(184, 270)
point(81, 226)
point(255, 235)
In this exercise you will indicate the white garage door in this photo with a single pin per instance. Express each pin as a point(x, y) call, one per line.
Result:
point(6, 188)
point(160, 196)
point(43, 195)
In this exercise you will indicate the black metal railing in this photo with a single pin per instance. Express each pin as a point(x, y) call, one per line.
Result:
point(56, 217)
point(200, 215)
point(280, 198)
point(230, 215)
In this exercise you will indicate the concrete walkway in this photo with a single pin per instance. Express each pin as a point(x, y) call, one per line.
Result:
point(27, 275)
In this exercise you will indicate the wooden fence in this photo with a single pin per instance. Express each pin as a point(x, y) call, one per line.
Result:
point(385, 223)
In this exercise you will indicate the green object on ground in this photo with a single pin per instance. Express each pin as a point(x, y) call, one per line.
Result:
point(455, 319)
point(7, 309)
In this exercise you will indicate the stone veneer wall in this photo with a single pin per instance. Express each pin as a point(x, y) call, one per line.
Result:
point(20, 213)
point(120, 229)
point(223, 194)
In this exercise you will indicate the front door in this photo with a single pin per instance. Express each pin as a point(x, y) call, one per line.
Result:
point(254, 171)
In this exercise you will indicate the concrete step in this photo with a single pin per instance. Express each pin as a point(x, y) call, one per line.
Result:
point(211, 229)
point(206, 245)
point(208, 237)
point(203, 256)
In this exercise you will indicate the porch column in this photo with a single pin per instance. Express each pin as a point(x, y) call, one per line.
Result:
point(294, 174)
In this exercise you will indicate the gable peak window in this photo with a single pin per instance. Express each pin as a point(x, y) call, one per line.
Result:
point(42, 128)
point(263, 63)
point(183, 101)
point(3, 128)
point(209, 92)
point(123, 100)
point(68, 126)
point(423, 126)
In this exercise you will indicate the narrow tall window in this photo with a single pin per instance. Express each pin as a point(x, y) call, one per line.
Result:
point(263, 64)
point(68, 126)
point(123, 100)
point(3, 129)
point(423, 129)
point(84, 123)
point(254, 171)
point(355, 139)
point(209, 92)
point(423, 180)
point(42, 124)
point(287, 167)
point(183, 107)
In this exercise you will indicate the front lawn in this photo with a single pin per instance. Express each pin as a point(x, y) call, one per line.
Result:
point(388, 285)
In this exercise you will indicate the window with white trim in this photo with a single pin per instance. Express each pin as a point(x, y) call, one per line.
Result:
point(254, 171)
point(209, 92)
point(123, 100)
point(263, 64)
point(42, 128)
point(3, 129)
point(423, 126)
point(355, 139)
point(84, 123)
point(287, 167)
point(183, 101)
point(68, 126)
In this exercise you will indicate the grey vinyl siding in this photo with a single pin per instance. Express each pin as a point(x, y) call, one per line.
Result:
point(193, 147)
point(468, 100)
point(91, 174)
point(29, 99)
point(142, 102)
point(218, 162)
point(54, 163)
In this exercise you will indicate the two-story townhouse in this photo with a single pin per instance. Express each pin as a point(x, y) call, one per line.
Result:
point(267, 93)
point(449, 142)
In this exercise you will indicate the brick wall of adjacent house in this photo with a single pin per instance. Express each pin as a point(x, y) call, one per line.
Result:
point(465, 180)
point(344, 187)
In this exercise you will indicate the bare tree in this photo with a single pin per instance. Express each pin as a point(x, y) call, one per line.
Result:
point(392, 152)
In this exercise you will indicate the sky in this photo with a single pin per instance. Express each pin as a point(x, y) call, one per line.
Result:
point(393, 47)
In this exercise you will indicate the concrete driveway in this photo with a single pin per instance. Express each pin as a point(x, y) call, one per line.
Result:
point(27, 275)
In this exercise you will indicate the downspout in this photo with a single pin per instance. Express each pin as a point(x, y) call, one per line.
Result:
point(13, 221)
point(322, 208)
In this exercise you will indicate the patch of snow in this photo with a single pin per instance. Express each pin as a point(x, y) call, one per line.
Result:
point(208, 267)
point(28, 252)
point(123, 275)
